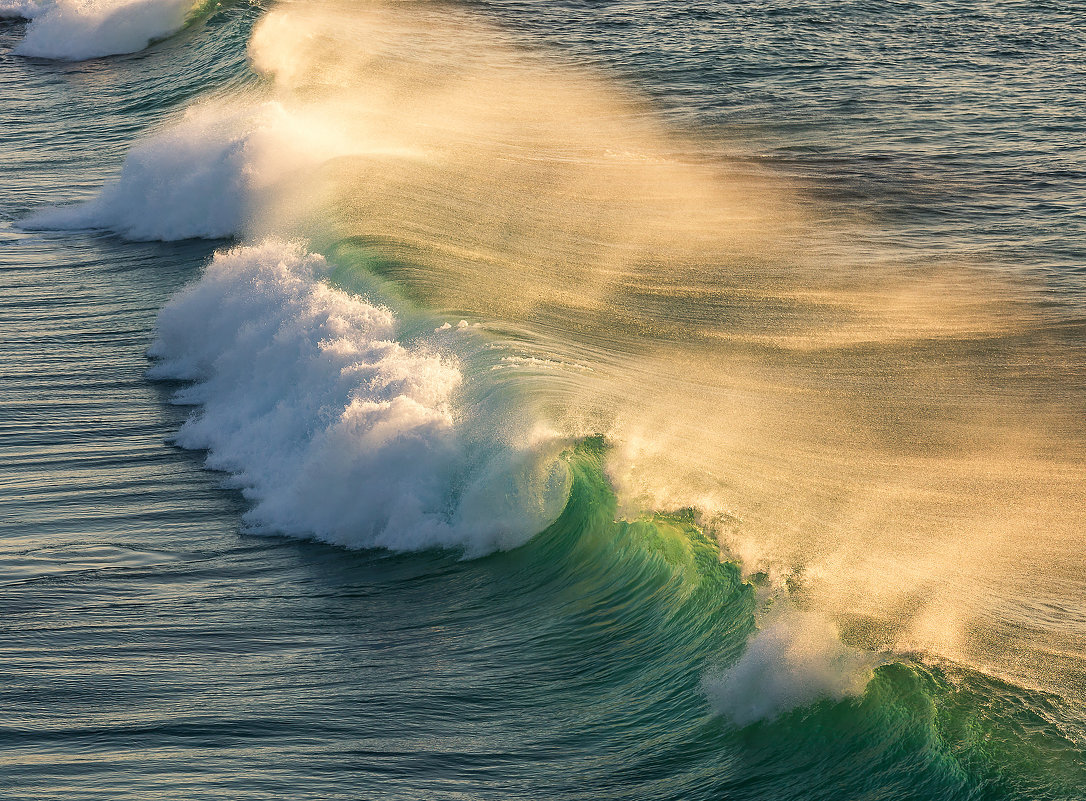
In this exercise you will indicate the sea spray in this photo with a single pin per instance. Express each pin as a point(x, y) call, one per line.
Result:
point(795, 660)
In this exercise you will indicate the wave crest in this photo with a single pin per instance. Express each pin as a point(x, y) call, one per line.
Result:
point(332, 428)
point(74, 30)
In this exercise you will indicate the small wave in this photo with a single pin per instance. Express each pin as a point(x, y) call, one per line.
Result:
point(189, 182)
point(207, 176)
point(75, 30)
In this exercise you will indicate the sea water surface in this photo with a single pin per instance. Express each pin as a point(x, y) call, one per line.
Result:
point(618, 400)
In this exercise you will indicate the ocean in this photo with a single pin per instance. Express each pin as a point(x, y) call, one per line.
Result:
point(508, 399)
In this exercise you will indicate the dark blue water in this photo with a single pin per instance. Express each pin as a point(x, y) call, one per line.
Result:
point(957, 121)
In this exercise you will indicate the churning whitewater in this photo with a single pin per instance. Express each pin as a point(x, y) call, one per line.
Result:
point(333, 428)
point(74, 30)
point(606, 432)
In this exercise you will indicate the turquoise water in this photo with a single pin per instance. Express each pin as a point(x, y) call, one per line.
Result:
point(526, 400)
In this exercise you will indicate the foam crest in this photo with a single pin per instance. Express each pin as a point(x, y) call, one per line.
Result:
point(793, 662)
point(190, 181)
point(333, 429)
point(74, 30)
point(210, 175)
point(19, 9)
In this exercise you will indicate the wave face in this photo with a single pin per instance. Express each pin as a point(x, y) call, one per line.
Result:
point(659, 452)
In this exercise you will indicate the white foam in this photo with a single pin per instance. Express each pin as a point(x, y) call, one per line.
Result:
point(19, 9)
point(190, 181)
point(793, 662)
point(74, 30)
point(208, 175)
point(334, 429)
